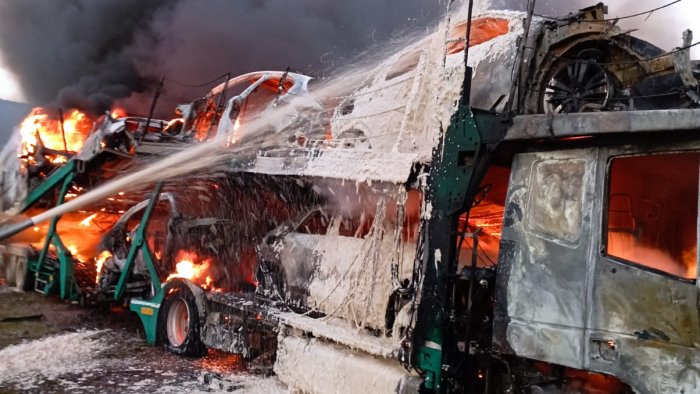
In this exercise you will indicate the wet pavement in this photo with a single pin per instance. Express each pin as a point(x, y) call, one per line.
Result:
point(50, 346)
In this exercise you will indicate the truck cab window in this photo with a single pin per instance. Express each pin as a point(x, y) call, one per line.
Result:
point(652, 212)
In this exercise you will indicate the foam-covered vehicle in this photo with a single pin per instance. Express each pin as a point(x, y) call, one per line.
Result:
point(254, 98)
point(301, 259)
point(189, 254)
point(172, 237)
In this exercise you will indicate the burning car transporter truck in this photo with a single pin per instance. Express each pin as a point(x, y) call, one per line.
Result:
point(551, 251)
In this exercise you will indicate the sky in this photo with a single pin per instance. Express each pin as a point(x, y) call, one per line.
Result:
point(9, 89)
point(664, 29)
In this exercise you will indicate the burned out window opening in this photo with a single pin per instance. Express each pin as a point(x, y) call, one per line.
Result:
point(486, 214)
point(257, 101)
point(316, 222)
point(652, 210)
point(158, 229)
point(404, 65)
point(483, 29)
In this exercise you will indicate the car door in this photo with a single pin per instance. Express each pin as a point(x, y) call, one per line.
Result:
point(298, 253)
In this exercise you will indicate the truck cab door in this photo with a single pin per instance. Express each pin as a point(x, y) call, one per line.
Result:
point(643, 315)
point(544, 256)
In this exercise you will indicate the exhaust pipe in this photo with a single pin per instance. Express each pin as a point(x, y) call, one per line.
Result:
point(15, 228)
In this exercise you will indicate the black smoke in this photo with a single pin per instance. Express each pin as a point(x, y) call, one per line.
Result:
point(72, 52)
point(89, 53)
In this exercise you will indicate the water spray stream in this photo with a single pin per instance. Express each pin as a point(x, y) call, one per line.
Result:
point(254, 135)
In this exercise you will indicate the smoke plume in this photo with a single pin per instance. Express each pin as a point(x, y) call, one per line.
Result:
point(72, 52)
point(89, 53)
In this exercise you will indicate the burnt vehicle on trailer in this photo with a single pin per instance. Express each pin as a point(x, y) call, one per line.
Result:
point(172, 236)
point(328, 242)
point(542, 260)
point(254, 97)
point(595, 272)
point(586, 63)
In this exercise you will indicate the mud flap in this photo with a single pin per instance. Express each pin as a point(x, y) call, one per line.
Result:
point(148, 312)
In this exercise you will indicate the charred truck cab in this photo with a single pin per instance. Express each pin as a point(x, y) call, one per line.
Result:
point(596, 285)
point(598, 259)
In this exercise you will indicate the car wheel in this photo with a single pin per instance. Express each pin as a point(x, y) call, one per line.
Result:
point(179, 325)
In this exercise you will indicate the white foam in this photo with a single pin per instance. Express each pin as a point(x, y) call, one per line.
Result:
point(31, 363)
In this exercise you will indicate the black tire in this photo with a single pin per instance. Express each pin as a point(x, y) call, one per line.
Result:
point(179, 326)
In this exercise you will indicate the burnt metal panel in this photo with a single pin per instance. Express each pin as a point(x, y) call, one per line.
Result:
point(561, 300)
point(540, 309)
point(642, 325)
point(528, 127)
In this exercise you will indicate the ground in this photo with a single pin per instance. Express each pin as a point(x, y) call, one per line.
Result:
point(51, 346)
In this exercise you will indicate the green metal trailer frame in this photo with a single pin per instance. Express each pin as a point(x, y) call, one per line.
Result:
point(46, 279)
point(45, 276)
point(458, 164)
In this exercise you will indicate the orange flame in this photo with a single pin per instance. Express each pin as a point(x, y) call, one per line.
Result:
point(38, 129)
point(99, 262)
point(88, 220)
point(188, 267)
point(625, 246)
point(117, 113)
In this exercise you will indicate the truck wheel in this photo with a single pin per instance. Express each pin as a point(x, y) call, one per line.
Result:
point(179, 325)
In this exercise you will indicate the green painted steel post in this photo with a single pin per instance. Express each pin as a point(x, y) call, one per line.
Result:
point(51, 182)
point(65, 270)
point(137, 243)
point(451, 172)
point(146, 309)
point(65, 260)
point(457, 165)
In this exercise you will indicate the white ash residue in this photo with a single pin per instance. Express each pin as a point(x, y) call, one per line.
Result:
point(428, 211)
point(31, 363)
point(210, 382)
point(117, 361)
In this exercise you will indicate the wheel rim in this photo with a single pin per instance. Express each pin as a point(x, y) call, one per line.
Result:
point(178, 323)
point(577, 87)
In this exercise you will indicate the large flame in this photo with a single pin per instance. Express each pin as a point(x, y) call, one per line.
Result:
point(625, 246)
point(117, 113)
point(88, 220)
point(80, 234)
point(190, 266)
point(38, 129)
point(99, 262)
